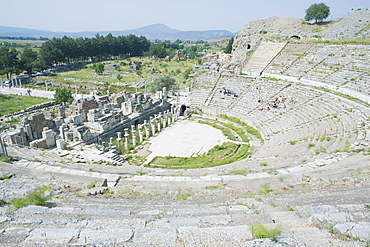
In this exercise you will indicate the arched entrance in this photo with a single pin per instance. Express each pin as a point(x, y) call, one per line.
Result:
point(183, 109)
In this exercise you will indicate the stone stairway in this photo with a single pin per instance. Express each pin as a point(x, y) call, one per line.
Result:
point(264, 54)
point(118, 160)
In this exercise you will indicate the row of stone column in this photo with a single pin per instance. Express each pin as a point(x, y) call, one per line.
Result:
point(149, 128)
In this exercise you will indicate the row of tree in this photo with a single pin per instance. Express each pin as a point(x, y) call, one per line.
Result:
point(23, 38)
point(66, 50)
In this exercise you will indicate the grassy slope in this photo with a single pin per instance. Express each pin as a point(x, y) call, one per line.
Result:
point(14, 103)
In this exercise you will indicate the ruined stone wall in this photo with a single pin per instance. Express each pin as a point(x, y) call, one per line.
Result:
point(37, 122)
point(136, 119)
point(85, 104)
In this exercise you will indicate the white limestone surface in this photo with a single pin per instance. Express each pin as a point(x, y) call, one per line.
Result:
point(184, 139)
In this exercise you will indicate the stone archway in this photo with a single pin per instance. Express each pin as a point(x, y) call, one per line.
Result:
point(183, 108)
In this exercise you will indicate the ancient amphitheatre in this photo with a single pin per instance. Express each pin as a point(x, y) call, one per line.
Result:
point(307, 170)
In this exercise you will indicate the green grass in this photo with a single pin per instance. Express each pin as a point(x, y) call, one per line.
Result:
point(240, 132)
point(261, 231)
point(322, 138)
point(35, 197)
point(265, 189)
point(292, 142)
point(184, 196)
point(91, 185)
point(225, 131)
point(13, 121)
point(5, 159)
point(321, 149)
point(363, 29)
point(239, 172)
point(10, 103)
point(310, 145)
point(87, 76)
point(247, 128)
point(219, 155)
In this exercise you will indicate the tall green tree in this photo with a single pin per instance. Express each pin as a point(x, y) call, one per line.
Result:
point(9, 62)
point(63, 95)
point(229, 46)
point(161, 82)
point(157, 50)
point(99, 68)
point(317, 12)
point(29, 60)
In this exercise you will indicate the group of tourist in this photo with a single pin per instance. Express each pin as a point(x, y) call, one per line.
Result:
point(228, 92)
point(275, 103)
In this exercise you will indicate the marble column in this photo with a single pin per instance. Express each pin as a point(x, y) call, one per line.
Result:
point(159, 124)
point(152, 123)
point(119, 138)
point(133, 137)
point(147, 131)
point(126, 139)
point(141, 134)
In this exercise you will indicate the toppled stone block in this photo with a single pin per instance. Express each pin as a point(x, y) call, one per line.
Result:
point(61, 144)
point(155, 236)
point(40, 143)
point(57, 236)
point(104, 237)
point(331, 219)
point(215, 236)
point(359, 230)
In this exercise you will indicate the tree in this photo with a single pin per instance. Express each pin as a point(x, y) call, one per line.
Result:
point(63, 95)
point(29, 60)
point(9, 63)
point(229, 46)
point(317, 12)
point(99, 68)
point(161, 82)
point(157, 50)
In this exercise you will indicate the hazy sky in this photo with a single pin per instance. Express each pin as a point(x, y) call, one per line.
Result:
point(186, 15)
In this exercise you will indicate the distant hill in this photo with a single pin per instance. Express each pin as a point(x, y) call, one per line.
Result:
point(152, 32)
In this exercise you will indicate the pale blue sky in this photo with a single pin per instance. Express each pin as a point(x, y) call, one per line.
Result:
point(186, 15)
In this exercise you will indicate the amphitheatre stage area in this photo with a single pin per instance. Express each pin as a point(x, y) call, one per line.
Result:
point(267, 146)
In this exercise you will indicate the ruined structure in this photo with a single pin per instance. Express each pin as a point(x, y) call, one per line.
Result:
point(88, 120)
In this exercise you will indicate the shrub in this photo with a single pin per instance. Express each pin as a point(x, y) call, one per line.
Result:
point(91, 185)
point(310, 145)
point(238, 172)
point(265, 189)
point(184, 196)
point(5, 159)
point(35, 197)
point(261, 231)
point(321, 149)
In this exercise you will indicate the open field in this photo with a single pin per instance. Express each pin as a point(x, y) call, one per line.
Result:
point(130, 81)
point(13, 103)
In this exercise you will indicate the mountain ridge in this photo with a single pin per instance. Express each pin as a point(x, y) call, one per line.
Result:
point(151, 32)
